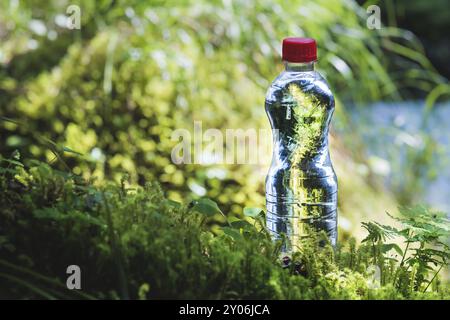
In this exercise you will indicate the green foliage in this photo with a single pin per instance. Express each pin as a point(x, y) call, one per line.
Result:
point(103, 102)
point(426, 236)
point(135, 243)
point(116, 90)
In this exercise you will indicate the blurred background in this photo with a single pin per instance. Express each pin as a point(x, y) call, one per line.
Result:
point(110, 94)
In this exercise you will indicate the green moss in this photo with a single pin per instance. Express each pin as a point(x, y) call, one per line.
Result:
point(135, 243)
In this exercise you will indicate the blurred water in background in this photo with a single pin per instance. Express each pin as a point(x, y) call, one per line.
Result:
point(391, 131)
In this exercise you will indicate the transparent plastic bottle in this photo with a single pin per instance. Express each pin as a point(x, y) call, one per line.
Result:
point(301, 186)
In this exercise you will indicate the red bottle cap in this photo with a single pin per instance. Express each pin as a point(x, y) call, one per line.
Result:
point(299, 50)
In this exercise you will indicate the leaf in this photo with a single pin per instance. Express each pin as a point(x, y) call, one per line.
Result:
point(378, 232)
point(252, 212)
point(241, 224)
point(56, 215)
point(207, 207)
point(233, 233)
point(67, 149)
point(389, 246)
point(7, 170)
point(172, 203)
point(14, 162)
point(28, 285)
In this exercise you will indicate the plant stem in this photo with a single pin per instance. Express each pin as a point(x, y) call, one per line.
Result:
point(401, 263)
point(116, 251)
point(404, 253)
point(432, 279)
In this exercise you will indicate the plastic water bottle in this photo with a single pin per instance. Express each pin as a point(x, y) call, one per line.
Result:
point(301, 186)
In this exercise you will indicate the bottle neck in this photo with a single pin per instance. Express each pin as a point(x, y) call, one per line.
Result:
point(299, 66)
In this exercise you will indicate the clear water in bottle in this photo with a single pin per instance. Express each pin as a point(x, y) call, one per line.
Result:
point(301, 186)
